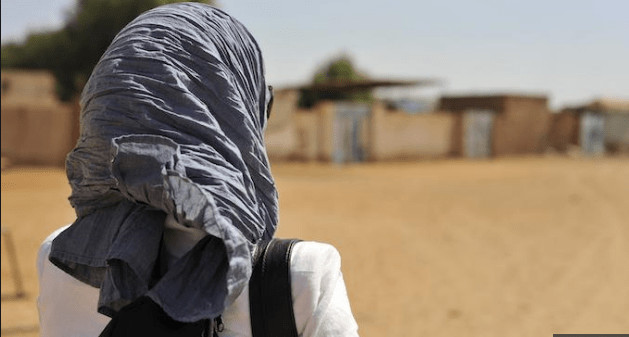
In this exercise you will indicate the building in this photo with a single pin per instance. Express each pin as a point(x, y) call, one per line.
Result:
point(498, 125)
point(342, 131)
point(36, 128)
point(601, 126)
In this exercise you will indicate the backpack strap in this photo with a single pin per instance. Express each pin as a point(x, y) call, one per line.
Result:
point(270, 298)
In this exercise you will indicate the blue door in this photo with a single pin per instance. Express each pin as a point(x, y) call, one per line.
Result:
point(349, 122)
point(477, 130)
point(592, 133)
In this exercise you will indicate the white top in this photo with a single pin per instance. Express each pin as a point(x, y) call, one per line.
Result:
point(67, 307)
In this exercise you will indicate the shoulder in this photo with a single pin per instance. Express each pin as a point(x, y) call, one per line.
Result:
point(311, 256)
point(44, 247)
point(320, 301)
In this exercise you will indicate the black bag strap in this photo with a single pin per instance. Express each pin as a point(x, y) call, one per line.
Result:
point(270, 298)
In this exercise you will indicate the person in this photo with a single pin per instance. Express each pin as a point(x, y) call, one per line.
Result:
point(173, 191)
point(67, 306)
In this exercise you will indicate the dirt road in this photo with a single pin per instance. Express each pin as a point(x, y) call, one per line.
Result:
point(508, 247)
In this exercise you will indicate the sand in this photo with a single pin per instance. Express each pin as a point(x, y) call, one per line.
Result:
point(509, 247)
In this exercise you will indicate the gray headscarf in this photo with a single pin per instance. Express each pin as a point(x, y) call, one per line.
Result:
point(172, 123)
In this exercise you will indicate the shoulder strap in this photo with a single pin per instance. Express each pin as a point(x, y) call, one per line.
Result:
point(270, 298)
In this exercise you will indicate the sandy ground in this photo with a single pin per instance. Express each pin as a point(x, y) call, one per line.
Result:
point(509, 247)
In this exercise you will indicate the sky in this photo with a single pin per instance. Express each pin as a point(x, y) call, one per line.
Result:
point(571, 51)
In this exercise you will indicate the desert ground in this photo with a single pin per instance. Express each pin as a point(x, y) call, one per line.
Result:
point(525, 246)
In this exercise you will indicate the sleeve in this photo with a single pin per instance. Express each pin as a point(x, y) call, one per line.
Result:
point(320, 298)
point(66, 306)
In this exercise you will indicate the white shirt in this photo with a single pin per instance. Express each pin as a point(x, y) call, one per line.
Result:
point(67, 307)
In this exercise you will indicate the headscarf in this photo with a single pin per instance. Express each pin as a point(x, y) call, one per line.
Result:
point(172, 122)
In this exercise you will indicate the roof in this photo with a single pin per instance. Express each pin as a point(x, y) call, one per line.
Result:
point(609, 105)
point(491, 96)
point(497, 102)
point(366, 84)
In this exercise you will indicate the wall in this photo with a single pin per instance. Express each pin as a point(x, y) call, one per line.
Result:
point(617, 132)
point(396, 135)
point(36, 134)
point(563, 130)
point(522, 127)
point(307, 125)
point(300, 134)
point(28, 87)
point(389, 134)
point(281, 134)
point(36, 127)
point(325, 130)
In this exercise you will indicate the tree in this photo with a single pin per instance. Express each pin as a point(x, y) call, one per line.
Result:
point(72, 52)
point(338, 71)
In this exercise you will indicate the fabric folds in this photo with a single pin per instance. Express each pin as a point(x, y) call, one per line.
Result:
point(172, 123)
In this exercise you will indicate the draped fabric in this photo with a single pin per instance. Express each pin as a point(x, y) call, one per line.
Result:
point(172, 122)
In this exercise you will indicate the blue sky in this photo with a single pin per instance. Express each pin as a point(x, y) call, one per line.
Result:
point(572, 51)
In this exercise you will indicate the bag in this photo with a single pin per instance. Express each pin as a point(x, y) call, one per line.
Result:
point(270, 297)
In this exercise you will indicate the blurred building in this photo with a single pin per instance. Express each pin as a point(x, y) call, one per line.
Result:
point(601, 126)
point(478, 126)
point(353, 132)
point(36, 128)
point(343, 131)
point(498, 125)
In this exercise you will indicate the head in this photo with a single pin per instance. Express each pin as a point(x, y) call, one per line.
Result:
point(172, 118)
point(186, 73)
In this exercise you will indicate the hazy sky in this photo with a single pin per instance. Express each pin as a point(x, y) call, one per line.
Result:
point(572, 51)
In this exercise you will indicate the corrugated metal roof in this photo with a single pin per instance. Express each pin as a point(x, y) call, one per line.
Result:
point(366, 84)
